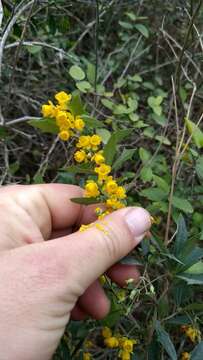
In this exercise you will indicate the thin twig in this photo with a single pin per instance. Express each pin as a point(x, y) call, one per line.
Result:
point(1, 14)
point(7, 32)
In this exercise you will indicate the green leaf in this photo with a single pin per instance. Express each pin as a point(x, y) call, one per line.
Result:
point(146, 174)
point(142, 29)
point(91, 73)
point(163, 139)
point(191, 279)
point(199, 167)
point(197, 134)
point(164, 339)
point(190, 256)
point(34, 49)
point(193, 307)
point(83, 86)
point(161, 183)
point(153, 194)
point(85, 201)
point(107, 103)
point(46, 125)
point(110, 147)
point(196, 268)
point(76, 105)
point(197, 353)
point(181, 236)
point(92, 122)
point(79, 169)
point(144, 155)
point(126, 155)
point(182, 204)
point(105, 135)
point(136, 78)
point(76, 73)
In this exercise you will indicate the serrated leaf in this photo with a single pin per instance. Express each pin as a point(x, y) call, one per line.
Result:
point(164, 339)
point(197, 134)
point(182, 204)
point(126, 155)
point(85, 201)
point(197, 353)
point(76, 72)
point(181, 236)
point(46, 125)
point(142, 29)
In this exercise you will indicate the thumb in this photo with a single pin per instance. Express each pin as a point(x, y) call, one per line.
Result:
point(90, 253)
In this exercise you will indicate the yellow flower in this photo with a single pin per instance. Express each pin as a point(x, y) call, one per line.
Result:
point(64, 135)
point(79, 124)
point(63, 120)
point(95, 140)
point(127, 345)
point(49, 110)
point(124, 355)
point(91, 189)
point(191, 332)
point(84, 142)
point(121, 295)
point(80, 156)
point(102, 280)
point(63, 98)
point(111, 187)
point(87, 356)
point(103, 170)
point(120, 192)
point(185, 356)
point(98, 158)
point(114, 203)
point(111, 342)
point(88, 344)
point(106, 332)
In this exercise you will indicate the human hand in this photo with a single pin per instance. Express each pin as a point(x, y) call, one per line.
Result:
point(43, 283)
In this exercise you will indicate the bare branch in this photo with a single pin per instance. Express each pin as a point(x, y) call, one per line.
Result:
point(1, 13)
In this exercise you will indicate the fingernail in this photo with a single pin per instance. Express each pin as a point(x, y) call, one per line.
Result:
point(138, 221)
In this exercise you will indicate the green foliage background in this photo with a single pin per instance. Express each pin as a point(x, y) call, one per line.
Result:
point(138, 68)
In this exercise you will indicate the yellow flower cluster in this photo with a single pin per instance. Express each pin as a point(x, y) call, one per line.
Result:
point(192, 333)
point(122, 343)
point(87, 356)
point(89, 148)
point(185, 356)
point(67, 123)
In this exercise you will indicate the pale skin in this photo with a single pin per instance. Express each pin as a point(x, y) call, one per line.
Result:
point(45, 283)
